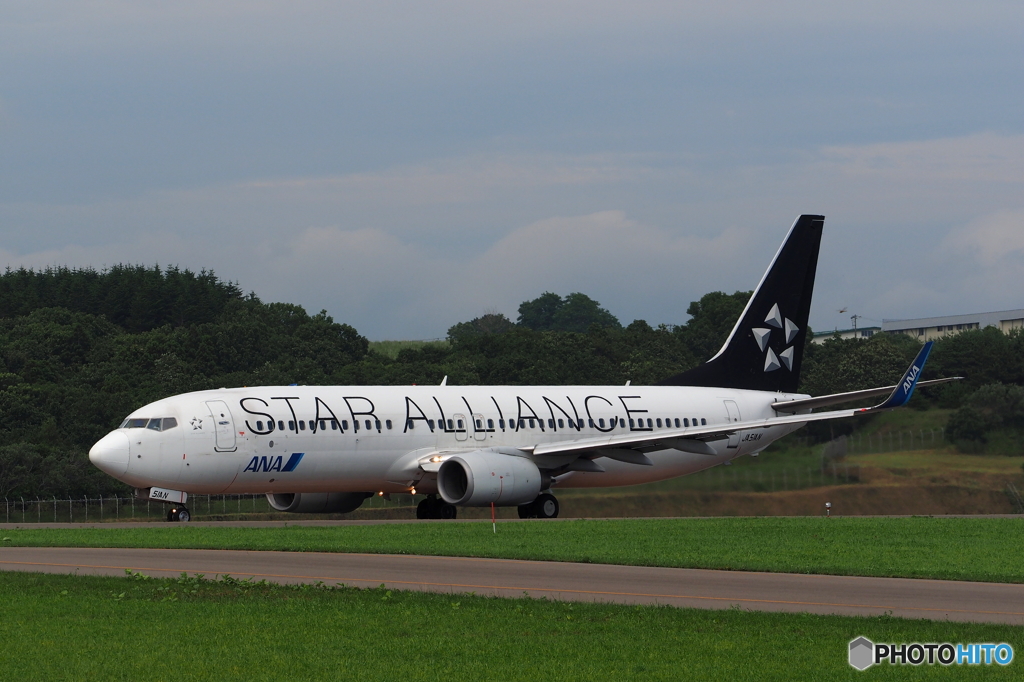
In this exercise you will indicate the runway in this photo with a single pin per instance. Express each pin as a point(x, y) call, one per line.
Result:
point(786, 592)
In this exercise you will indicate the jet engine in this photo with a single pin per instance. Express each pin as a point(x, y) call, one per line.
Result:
point(316, 503)
point(475, 479)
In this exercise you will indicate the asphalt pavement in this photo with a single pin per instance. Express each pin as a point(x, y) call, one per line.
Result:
point(786, 592)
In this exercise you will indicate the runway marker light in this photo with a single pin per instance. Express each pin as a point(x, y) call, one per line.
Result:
point(828, 509)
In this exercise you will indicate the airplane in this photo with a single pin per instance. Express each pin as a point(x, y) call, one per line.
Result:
point(326, 449)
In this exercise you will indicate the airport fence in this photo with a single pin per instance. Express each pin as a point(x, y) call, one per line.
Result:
point(128, 508)
point(892, 441)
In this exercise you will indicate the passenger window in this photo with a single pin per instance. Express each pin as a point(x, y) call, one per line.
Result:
point(479, 424)
point(522, 423)
point(501, 423)
point(677, 422)
point(334, 425)
point(387, 423)
point(551, 423)
point(460, 425)
point(368, 427)
point(703, 421)
point(302, 425)
point(490, 423)
point(291, 425)
point(650, 423)
point(600, 422)
point(590, 422)
point(451, 427)
point(409, 424)
point(323, 424)
point(280, 426)
point(631, 424)
point(532, 425)
point(344, 425)
point(561, 424)
point(430, 423)
point(259, 426)
point(659, 422)
point(170, 423)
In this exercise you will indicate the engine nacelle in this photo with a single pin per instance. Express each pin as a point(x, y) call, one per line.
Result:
point(316, 503)
point(475, 479)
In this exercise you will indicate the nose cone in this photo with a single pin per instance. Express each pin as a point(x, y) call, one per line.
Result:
point(110, 454)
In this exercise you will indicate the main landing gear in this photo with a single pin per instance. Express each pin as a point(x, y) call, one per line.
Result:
point(178, 512)
point(433, 508)
point(544, 507)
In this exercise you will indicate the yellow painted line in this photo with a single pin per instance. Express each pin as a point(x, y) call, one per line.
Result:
point(524, 589)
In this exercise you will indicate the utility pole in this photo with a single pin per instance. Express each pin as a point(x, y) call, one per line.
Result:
point(855, 318)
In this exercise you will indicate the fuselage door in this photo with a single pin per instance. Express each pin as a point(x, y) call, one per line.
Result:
point(223, 425)
point(479, 427)
point(733, 412)
point(461, 432)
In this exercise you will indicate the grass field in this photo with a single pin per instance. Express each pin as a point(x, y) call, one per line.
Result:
point(943, 548)
point(133, 628)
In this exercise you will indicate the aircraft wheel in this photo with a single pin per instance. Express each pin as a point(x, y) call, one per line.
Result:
point(425, 509)
point(448, 511)
point(183, 515)
point(171, 516)
point(546, 506)
point(526, 511)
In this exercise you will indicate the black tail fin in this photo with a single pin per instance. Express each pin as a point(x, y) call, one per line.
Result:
point(765, 348)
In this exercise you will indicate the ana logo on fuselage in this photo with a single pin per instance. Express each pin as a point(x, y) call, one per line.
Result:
point(272, 463)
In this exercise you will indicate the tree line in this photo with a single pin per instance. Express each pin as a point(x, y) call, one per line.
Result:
point(80, 349)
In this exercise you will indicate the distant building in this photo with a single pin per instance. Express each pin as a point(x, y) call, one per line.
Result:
point(931, 328)
point(859, 333)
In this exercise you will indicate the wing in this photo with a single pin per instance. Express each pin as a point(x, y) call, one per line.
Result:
point(696, 438)
point(578, 455)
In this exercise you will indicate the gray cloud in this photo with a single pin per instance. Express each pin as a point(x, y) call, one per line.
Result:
point(410, 165)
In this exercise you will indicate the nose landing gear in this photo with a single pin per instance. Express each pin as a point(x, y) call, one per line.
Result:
point(433, 508)
point(544, 507)
point(178, 513)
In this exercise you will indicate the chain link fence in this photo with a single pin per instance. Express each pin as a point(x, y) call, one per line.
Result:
point(128, 508)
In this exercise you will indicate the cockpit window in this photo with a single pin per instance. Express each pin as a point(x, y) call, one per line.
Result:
point(161, 424)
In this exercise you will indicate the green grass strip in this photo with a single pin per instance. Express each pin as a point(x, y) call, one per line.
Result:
point(917, 547)
point(75, 627)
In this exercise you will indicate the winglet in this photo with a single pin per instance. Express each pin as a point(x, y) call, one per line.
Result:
point(900, 395)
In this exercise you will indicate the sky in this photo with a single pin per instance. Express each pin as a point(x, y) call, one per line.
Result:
point(408, 165)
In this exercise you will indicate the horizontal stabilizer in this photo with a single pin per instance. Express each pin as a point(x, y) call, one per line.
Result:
point(849, 397)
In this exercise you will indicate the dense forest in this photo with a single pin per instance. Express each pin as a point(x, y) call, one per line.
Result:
point(80, 349)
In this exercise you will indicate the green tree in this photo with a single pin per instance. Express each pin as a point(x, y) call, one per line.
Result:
point(488, 323)
point(711, 320)
point(575, 313)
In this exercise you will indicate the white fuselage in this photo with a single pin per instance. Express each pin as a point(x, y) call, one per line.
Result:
point(372, 439)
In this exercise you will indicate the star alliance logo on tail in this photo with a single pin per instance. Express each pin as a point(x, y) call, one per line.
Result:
point(762, 336)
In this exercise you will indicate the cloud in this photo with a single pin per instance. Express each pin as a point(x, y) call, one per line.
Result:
point(408, 250)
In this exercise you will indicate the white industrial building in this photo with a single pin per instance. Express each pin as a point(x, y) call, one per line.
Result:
point(859, 333)
point(931, 328)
